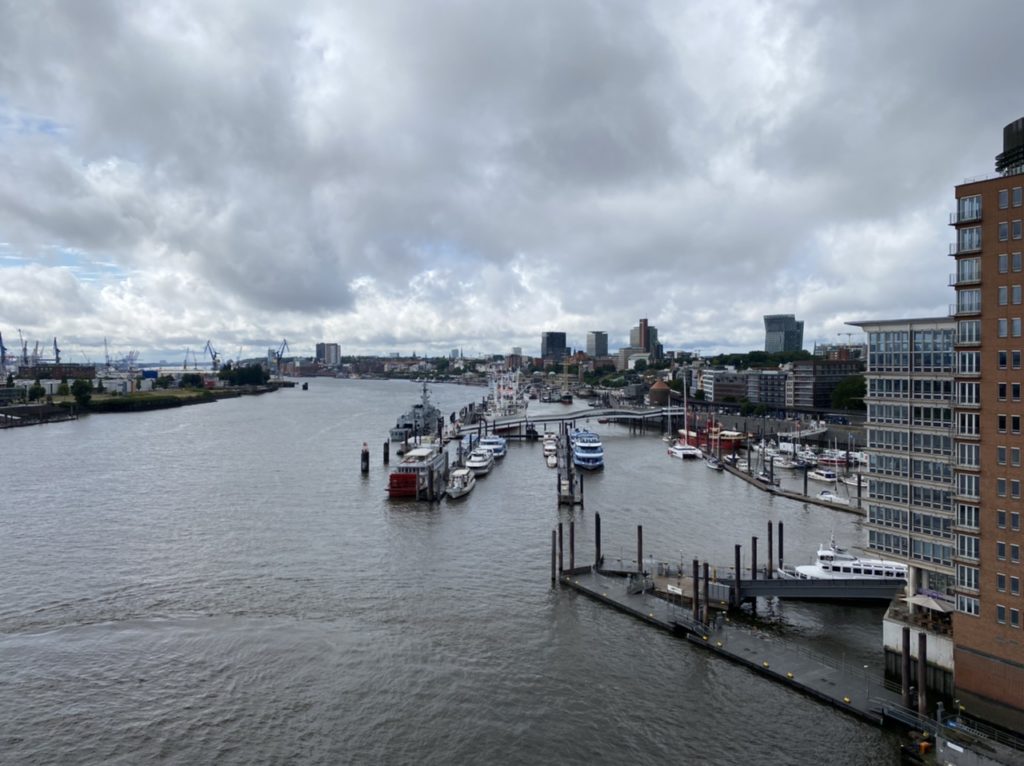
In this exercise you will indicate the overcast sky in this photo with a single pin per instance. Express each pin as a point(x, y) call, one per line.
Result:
point(419, 176)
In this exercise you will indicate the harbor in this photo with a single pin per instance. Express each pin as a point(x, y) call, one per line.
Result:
point(438, 614)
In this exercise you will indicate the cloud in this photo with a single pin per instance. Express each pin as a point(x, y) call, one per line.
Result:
point(424, 176)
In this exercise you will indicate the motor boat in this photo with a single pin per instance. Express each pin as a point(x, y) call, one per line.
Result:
point(480, 461)
point(461, 482)
point(834, 563)
point(496, 444)
point(587, 450)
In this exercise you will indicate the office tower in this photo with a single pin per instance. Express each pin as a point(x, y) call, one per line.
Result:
point(782, 333)
point(552, 346)
point(597, 343)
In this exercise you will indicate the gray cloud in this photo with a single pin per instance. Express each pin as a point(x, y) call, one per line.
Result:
point(432, 175)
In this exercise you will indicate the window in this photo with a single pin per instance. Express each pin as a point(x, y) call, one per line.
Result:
point(1001, 423)
point(1015, 229)
point(968, 605)
point(1002, 392)
point(1004, 295)
point(1002, 360)
point(1001, 519)
point(1015, 359)
point(967, 546)
point(1004, 199)
point(1003, 328)
point(1001, 550)
point(1015, 553)
point(1015, 618)
point(967, 484)
point(967, 516)
point(1016, 198)
point(968, 362)
point(1001, 455)
point(969, 331)
point(1000, 582)
point(1004, 263)
point(1015, 424)
point(1015, 456)
point(1000, 614)
point(968, 270)
point(1015, 521)
point(969, 239)
point(1004, 231)
point(1015, 261)
point(969, 300)
point(968, 208)
point(1015, 488)
point(1000, 487)
point(1015, 295)
point(968, 423)
point(1015, 327)
point(967, 577)
point(1015, 586)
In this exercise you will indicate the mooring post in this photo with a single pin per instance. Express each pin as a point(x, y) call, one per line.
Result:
point(364, 459)
point(554, 565)
point(922, 674)
point(781, 560)
point(805, 481)
point(572, 545)
point(387, 452)
point(695, 591)
point(736, 579)
point(771, 483)
point(905, 668)
point(705, 598)
point(753, 558)
point(640, 548)
point(581, 490)
point(768, 573)
point(597, 540)
point(859, 479)
point(561, 549)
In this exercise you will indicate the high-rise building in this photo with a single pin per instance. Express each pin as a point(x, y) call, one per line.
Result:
point(988, 629)
point(782, 333)
point(597, 343)
point(552, 346)
point(328, 354)
point(909, 480)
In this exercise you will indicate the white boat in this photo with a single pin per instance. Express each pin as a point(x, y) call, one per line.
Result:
point(550, 448)
point(713, 463)
point(420, 474)
point(587, 450)
point(828, 496)
point(552, 461)
point(854, 481)
point(684, 451)
point(480, 461)
point(823, 474)
point(834, 563)
point(496, 444)
point(461, 482)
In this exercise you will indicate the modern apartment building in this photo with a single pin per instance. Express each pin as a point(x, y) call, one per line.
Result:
point(810, 382)
point(782, 333)
point(910, 489)
point(988, 626)
point(597, 343)
point(328, 354)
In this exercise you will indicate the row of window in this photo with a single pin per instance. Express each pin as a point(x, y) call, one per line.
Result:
point(1014, 517)
point(902, 388)
point(1004, 199)
point(1007, 262)
point(1001, 584)
point(900, 441)
point(1011, 357)
point(1008, 423)
point(1007, 294)
point(1013, 549)
point(1013, 389)
point(1002, 485)
point(1013, 452)
point(1008, 327)
point(1010, 229)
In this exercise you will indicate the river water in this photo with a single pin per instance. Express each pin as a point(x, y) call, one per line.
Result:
point(219, 583)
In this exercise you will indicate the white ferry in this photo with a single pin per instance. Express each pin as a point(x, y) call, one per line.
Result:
point(834, 563)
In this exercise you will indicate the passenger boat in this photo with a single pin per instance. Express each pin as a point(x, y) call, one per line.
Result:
point(480, 461)
point(823, 474)
point(421, 420)
point(587, 450)
point(461, 482)
point(684, 451)
point(420, 474)
point(834, 563)
point(496, 444)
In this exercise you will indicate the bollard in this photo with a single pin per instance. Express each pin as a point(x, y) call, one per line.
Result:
point(597, 540)
point(364, 459)
point(769, 567)
point(572, 546)
point(561, 550)
point(753, 558)
point(695, 592)
point(780, 544)
point(387, 452)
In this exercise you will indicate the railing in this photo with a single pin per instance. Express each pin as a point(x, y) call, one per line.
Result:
point(955, 248)
point(955, 280)
point(963, 217)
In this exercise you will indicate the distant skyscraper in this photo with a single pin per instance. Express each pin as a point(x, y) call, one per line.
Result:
point(328, 354)
point(597, 343)
point(782, 333)
point(552, 346)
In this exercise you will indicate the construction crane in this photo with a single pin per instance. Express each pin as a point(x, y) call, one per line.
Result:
point(106, 353)
point(280, 353)
point(24, 348)
point(184, 365)
point(214, 359)
point(3, 355)
point(56, 351)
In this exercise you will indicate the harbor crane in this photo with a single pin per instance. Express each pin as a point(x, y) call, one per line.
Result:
point(279, 354)
point(214, 359)
point(24, 348)
point(3, 355)
point(56, 351)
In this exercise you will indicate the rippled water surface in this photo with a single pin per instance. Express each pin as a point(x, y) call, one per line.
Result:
point(219, 583)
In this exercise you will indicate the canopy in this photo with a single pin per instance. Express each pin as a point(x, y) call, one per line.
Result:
point(930, 602)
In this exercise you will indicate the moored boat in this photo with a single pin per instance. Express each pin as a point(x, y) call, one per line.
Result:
point(496, 444)
point(461, 482)
point(834, 563)
point(423, 419)
point(713, 463)
point(828, 496)
point(420, 474)
point(480, 461)
point(823, 474)
point(587, 450)
point(684, 451)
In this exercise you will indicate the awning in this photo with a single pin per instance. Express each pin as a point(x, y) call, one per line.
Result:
point(930, 602)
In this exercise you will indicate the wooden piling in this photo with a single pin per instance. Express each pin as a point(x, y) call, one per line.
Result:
point(922, 674)
point(561, 549)
point(554, 546)
point(695, 591)
point(364, 459)
point(597, 539)
point(781, 559)
point(736, 579)
point(705, 596)
point(387, 452)
point(640, 548)
point(769, 567)
point(905, 668)
point(805, 481)
point(753, 558)
point(572, 545)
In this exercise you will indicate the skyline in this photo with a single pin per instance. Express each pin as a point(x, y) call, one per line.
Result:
point(411, 178)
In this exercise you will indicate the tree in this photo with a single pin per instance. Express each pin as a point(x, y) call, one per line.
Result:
point(191, 380)
point(81, 389)
point(164, 381)
point(849, 394)
point(36, 391)
point(10, 380)
point(63, 389)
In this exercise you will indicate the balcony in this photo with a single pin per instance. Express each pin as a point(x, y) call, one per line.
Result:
point(957, 280)
point(963, 311)
point(967, 340)
point(956, 248)
point(959, 217)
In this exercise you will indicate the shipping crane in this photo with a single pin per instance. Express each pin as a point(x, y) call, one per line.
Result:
point(56, 351)
point(214, 359)
point(24, 348)
point(3, 355)
point(279, 354)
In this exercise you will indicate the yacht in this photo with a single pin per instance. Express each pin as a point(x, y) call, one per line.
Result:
point(587, 450)
point(496, 444)
point(826, 475)
point(685, 451)
point(828, 496)
point(480, 461)
point(461, 482)
point(834, 563)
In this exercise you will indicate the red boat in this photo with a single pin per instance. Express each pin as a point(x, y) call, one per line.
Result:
point(421, 474)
